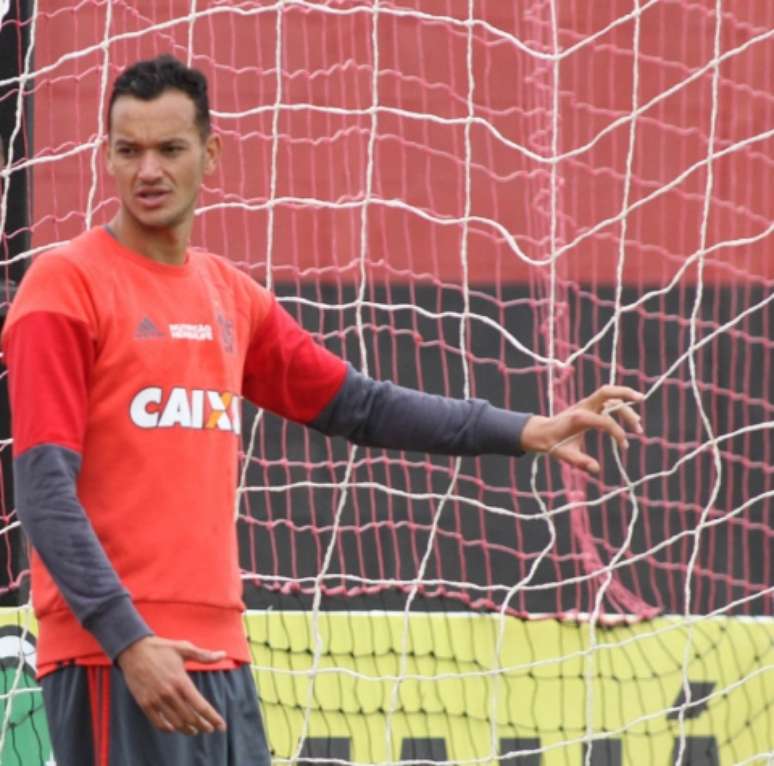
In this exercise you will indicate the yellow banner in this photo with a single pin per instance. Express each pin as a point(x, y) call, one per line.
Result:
point(374, 687)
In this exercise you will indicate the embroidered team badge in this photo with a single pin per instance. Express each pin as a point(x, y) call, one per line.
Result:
point(226, 327)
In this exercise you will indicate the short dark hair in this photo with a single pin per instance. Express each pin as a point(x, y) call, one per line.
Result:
point(148, 79)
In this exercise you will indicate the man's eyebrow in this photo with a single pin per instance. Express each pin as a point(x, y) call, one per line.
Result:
point(163, 142)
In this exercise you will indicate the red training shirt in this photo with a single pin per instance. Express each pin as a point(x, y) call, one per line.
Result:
point(140, 368)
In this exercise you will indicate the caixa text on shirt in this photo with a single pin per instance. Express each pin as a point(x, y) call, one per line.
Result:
point(196, 408)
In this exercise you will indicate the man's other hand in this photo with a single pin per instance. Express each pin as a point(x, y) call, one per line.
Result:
point(562, 435)
point(155, 673)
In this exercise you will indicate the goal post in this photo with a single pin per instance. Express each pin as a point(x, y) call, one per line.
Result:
point(513, 201)
point(15, 218)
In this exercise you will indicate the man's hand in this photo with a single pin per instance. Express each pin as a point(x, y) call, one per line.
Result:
point(562, 434)
point(155, 674)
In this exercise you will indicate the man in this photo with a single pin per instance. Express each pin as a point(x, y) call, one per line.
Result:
point(128, 354)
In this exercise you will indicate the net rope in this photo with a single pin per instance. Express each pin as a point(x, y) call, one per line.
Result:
point(519, 204)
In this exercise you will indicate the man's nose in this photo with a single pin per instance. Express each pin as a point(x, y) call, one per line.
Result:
point(150, 168)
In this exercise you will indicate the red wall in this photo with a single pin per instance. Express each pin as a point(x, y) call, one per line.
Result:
point(327, 60)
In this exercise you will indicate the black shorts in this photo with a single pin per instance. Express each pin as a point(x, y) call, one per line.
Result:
point(94, 721)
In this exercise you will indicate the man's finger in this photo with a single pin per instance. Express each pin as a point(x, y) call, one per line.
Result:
point(188, 651)
point(184, 719)
point(159, 720)
point(605, 393)
point(204, 713)
point(576, 458)
point(186, 704)
point(211, 723)
point(178, 712)
point(581, 420)
point(631, 418)
point(164, 717)
point(623, 411)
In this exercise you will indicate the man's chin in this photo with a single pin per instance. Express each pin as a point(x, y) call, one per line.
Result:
point(157, 220)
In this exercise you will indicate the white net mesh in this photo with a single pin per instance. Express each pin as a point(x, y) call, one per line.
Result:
point(515, 201)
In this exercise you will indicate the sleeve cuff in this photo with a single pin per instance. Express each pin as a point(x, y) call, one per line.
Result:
point(118, 626)
point(500, 431)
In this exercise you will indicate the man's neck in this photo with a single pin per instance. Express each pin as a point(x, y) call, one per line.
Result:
point(167, 245)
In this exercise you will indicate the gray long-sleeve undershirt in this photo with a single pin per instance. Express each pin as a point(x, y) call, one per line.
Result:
point(367, 412)
point(61, 533)
point(380, 414)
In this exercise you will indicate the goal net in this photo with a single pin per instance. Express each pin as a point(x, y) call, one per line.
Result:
point(513, 201)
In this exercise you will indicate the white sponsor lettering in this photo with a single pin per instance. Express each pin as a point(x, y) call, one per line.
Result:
point(236, 414)
point(139, 412)
point(191, 331)
point(195, 408)
point(217, 405)
point(177, 410)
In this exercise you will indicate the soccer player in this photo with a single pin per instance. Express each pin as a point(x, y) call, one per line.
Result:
point(128, 354)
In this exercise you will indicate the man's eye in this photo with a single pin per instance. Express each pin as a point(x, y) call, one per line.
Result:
point(172, 150)
point(125, 151)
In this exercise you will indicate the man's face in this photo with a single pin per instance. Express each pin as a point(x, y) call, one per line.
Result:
point(158, 158)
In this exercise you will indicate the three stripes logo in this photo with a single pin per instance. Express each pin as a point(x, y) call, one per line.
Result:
point(146, 330)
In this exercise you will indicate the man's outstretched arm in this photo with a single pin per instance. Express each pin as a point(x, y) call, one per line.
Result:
point(291, 375)
point(381, 414)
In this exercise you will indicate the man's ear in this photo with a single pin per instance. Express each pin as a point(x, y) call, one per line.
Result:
point(108, 155)
point(212, 149)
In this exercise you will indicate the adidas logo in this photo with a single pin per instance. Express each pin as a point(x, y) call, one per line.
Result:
point(146, 330)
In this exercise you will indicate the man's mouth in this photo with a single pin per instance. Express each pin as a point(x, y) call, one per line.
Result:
point(151, 198)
